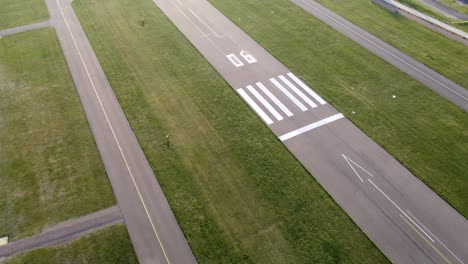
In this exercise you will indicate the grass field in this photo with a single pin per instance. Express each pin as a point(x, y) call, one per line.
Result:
point(15, 13)
point(435, 50)
point(50, 169)
point(422, 130)
point(238, 194)
point(108, 246)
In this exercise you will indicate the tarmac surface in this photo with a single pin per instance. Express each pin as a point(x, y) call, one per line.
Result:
point(430, 78)
point(401, 215)
point(434, 4)
point(65, 231)
point(153, 229)
point(11, 31)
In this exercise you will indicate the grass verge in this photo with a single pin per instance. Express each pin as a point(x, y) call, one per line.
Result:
point(425, 132)
point(15, 13)
point(50, 169)
point(108, 246)
point(238, 194)
point(455, 4)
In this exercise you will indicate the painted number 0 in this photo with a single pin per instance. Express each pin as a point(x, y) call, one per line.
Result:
point(237, 62)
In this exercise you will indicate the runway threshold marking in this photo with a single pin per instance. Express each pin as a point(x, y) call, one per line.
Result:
point(312, 126)
point(433, 247)
point(254, 106)
point(112, 130)
point(297, 91)
point(381, 48)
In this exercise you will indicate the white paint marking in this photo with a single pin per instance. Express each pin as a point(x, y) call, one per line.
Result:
point(113, 132)
point(383, 49)
point(3, 241)
point(274, 99)
point(429, 231)
point(307, 88)
point(265, 103)
point(388, 198)
point(288, 94)
point(249, 58)
point(297, 91)
point(307, 128)
point(234, 60)
point(254, 106)
point(349, 161)
point(204, 23)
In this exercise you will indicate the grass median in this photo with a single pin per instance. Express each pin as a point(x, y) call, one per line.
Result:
point(108, 246)
point(238, 194)
point(50, 169)
point(425, 132)
point(15, 13)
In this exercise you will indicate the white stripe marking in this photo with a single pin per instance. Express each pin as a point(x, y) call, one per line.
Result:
point(307, 88)
point(275, 99)
point(297, 91)
point(388, 198)
point(288, 94)
point(429, 231)
point(265, 103)
point(254, 106)
point(307, 128)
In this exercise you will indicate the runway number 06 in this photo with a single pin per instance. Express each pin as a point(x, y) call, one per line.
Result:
point(237, 62)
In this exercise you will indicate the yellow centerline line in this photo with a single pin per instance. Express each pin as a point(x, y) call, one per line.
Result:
point(113, 133)
point(442, 255)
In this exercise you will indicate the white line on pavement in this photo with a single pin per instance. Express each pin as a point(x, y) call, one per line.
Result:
point(307, 128)
point(298, 92)
point(388, 198)
point(288, 94)
point(265, 103)
point(254, 106)
point(275, 99)
point(307, 88)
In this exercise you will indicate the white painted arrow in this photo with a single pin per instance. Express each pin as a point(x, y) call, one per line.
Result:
point(350, 162)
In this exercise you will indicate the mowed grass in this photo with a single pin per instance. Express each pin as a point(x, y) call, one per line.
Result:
point(108, 246)
point(446, 56)
point(238, 194)
point(15, 13)
point(455, 4)
point(425, 132)
point(50, 169)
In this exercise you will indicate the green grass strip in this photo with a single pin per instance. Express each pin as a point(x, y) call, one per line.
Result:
point(15, 13)
point(50, 170)
point(238, 194)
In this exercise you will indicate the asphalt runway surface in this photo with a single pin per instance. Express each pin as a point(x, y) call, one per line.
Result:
point(15, 30)
point(153, 229)
point(400, 214)
point(65, 231)
point(430, 78)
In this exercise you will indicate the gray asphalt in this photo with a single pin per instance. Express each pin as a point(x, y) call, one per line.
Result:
point(430, 78)
point(65, 231)
point(445, 9)
point(153, 229)
point(11, 31)
point(400, 214)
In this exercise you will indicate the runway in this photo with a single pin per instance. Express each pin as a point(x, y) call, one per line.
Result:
point(425, 75)
point(400, 214)
point(153, 229)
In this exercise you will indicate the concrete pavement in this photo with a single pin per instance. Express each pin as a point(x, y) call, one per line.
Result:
point(11, 31)
point(153, 229)
point(400, 214)
point(65, 231)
